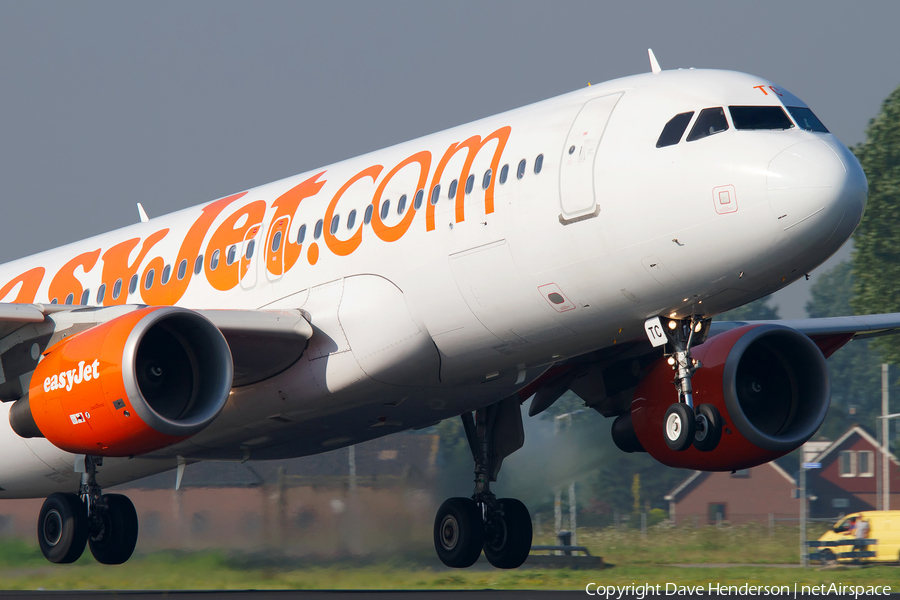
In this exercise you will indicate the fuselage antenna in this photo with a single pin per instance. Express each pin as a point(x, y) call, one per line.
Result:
point(654, 64)
point(142, 213)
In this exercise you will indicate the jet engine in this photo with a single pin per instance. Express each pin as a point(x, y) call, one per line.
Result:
point(769, 383)
point(134, 384)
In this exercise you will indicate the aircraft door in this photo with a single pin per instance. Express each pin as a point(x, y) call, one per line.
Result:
point(275, 244)
point(249, 250)
point(576, 172)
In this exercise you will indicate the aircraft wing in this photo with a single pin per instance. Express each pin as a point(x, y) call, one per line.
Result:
point(858, 327)
point(262, 343)
point(605, 379)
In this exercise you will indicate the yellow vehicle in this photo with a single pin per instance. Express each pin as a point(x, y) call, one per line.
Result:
point(884, 526)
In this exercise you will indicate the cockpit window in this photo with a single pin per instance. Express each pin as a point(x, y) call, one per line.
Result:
point(674, 129)
point(759, 117)
point(806, 119)
point(710, 122)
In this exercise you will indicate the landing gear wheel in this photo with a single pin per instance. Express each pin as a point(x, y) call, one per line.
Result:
point(679, 427)
point(459, 532)
point(62, 528)
point(709, 428)
point(115, 530)
point(507, 534)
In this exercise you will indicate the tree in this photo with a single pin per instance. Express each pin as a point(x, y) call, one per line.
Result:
point(855, 369)
point(758, 310)
point(876, 259)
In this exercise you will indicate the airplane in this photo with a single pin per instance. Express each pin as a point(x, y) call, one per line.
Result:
point(581, 243)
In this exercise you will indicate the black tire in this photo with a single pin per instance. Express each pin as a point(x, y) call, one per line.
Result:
point(507, 535)
point(679, 427)
point(827, 557)
point(458, 532)
point(709, 428)
point(115, 537)
point(62, 528)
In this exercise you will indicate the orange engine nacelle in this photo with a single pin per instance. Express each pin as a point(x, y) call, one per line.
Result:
point(137, 383)
point(769, 383)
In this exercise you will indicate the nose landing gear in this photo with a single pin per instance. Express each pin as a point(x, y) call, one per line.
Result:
point(684, 425)
point(106, 522)
point(463, 527)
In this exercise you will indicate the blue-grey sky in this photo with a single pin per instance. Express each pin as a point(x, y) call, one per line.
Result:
point(105, 104)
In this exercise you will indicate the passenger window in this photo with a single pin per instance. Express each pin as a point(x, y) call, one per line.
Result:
point(759, 117)
point(486, 181)
point(367, 217)
point(335, 223)
point(710, 122)
point(85, 296)
point(520, 170)
point(435, 194)
point(806, 119)
point(301, 234)
point(470, 183)
point(419, 196)
point(538, 163)
point(132, 285)
point(54, 301)
point(117, 289)
point(674, 129)
point(182, 269)
point(276, 242)
point(451, 193)
point(317, 232)
point(504, 173)
point(385, 209)
point(70, 299)
point(251, 246)
point(198, 264)
point(214, 259)
point(101, 293)
point(351, 219)
point(166, 274)
point(148, 280)
point(232, 252)
point(401, 205)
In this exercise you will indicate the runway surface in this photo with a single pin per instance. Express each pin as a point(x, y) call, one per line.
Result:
point(300, 595)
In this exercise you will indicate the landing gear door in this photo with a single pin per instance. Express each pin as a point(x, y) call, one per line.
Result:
point(576, 172)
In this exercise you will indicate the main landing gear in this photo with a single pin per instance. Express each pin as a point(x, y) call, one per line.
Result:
point(500, 527)
point(106, 522)
point(684, 425)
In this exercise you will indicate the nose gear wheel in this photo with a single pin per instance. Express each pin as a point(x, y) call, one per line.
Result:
point(709, 428)
point(680, 427)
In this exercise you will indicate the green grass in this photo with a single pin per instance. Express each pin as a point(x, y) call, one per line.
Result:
point(686, 545)
point(636, 559)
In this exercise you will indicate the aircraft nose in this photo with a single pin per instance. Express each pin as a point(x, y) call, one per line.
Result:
point(817, 181)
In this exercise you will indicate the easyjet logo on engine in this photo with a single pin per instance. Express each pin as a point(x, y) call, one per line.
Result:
point(68, 379)
point(164, 280)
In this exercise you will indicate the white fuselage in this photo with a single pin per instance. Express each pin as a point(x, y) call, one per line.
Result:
point(446, 307)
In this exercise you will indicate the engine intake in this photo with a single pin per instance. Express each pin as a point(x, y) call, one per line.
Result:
point(776, 387)
point(769, 383)
point(134, 384)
